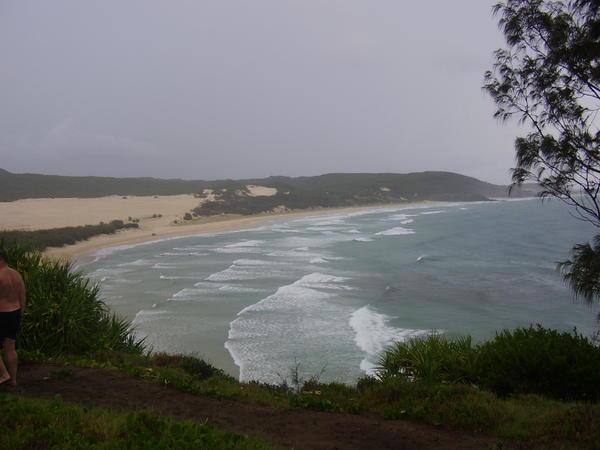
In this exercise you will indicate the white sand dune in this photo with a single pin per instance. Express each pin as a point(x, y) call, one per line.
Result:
point(260, 191)
point(46, 213)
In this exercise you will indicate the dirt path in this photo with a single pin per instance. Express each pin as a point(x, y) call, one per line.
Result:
point(298, 429)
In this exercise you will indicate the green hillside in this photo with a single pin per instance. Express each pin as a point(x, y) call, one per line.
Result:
point(18, 186)
point(232, 196)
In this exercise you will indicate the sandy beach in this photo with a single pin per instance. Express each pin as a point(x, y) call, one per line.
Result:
point(36, 214)
point(46, 213)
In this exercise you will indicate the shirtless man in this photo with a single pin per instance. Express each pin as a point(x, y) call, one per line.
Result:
point(12, 306)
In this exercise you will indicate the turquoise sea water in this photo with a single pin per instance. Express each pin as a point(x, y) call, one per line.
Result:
point(331, 291)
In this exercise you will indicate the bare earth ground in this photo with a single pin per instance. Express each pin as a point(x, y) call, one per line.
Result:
point(298, 429)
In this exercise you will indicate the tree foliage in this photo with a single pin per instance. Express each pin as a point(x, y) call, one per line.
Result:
point(582, 273)
point(548, 78)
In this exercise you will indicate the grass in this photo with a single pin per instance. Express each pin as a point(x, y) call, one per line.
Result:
point(531, 420)
point(27, 423)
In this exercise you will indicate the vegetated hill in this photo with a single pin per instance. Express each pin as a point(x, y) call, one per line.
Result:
point(18, 186)
point(233, 196)
point(349, 189)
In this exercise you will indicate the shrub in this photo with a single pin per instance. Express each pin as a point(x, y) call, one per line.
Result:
point(432, 359)
point(59, 237)
point(190, 364)
point(65, 314)
point(531, 360)
point(538, 360)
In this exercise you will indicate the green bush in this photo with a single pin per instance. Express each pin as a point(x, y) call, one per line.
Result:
point(531, 360)
point(433, 359)
point(541, 361)
point(65, 314)
point(196, 367)
point(59, 237)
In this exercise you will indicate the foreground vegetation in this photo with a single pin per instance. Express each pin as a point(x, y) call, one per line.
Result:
point(36, 424)
point(531, 360)
point(59, 237)
point(65, 314)
point(434, 381)
point(533, 421)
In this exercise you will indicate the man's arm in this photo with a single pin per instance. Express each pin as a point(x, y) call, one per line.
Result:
point(22, 295)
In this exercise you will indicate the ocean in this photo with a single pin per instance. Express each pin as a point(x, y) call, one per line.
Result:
point(330, 292)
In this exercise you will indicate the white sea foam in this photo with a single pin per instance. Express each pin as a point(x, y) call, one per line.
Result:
point(421, 258)
point(255, 262)
point(300, 253)
point(401, 217)
point(282, 228)
point(237, 250)
point(184, 254)
point(324, 228)
point(247, 246)
point(373, 334)
point(352, 231)
point(147, 315)
point(318, 260)
point(426, 213)
point(396, 231)
point(362, 239)
point(300, 309)
point(233, 273)
point(188, 293)
point(121, 281)
point(176, 277)
point(105, 273)
point(309, 287)
point(191, 248)
point(239, 289)
point(324, 221)
point(137, 262)
point(248, 269)
point(207, 291)
point(247, 243)
point(166, 266)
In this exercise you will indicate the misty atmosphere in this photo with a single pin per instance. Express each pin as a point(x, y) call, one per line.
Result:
point(183, 89)
point(331, 224)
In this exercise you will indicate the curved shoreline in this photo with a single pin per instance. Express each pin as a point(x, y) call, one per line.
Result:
point(149, 234)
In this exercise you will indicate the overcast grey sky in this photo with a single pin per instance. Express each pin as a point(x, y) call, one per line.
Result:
point(247, 88)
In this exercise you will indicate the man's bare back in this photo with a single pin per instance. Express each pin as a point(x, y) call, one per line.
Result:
point(12, 290)
point(12, 307)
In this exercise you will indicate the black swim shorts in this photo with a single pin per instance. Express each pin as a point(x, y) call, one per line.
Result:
point(10, 322)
